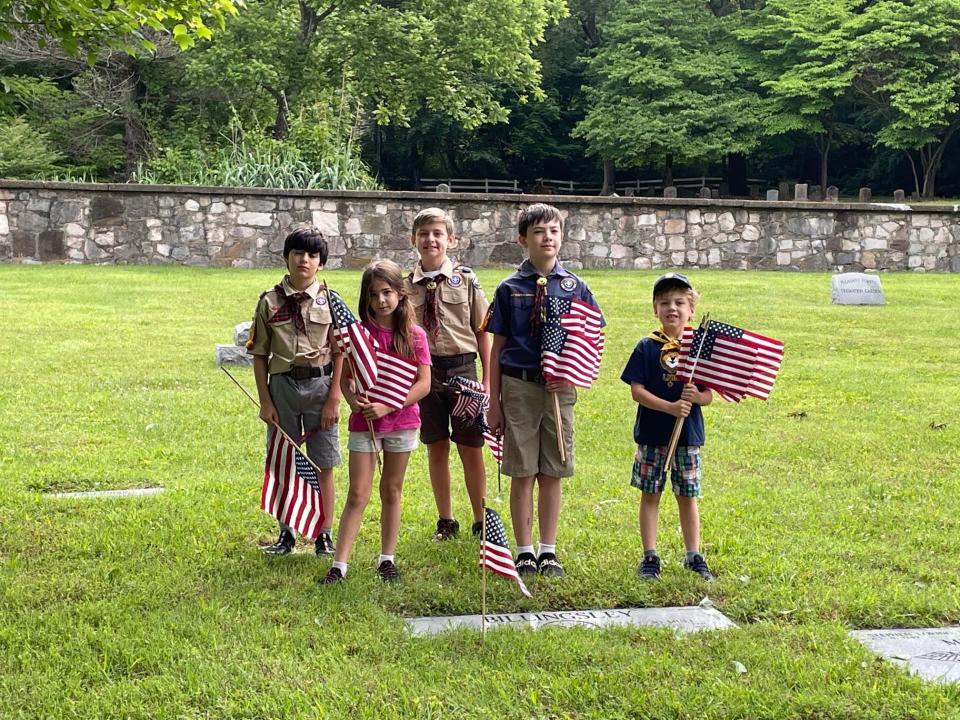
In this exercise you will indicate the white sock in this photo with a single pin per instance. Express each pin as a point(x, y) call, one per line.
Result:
point(383, 559)
point(544, 548)
point(341, 566)
point(521, 549)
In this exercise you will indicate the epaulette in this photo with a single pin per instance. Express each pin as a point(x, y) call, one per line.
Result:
point(264, 293)
point(464, 269)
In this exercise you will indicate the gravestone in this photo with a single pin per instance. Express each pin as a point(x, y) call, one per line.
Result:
point(773, 194)
point(235, 354)
point(899, 196)
point(866, 195)
point(130, 492)
point(714, 193)
point(680, 619)
point(705, 193)
point(857, 289)
point(670, 191)
point(800, 192)
point(784, 190)
point(833, 194)
point(241, 333)
point(443, 187)
point(816, 193)
point(931, 653)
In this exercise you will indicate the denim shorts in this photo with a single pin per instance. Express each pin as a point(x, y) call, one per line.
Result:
point(398, 441)
point(650, 462)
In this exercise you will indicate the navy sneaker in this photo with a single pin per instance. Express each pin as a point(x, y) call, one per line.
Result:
point(526, 564)
point(283, 545)
point(699, 565)
point(650, 568)
point(549, 566)
point(388, 571)
point(447, 529)
point(477, 528)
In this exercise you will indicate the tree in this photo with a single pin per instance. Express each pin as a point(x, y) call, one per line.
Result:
point(117, 24)
point(908, 71)
point(806, 65)
point(668, 83)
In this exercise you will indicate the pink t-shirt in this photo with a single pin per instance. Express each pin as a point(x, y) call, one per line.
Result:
point(409, 417)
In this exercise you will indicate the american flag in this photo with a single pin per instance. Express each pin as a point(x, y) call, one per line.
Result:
point(291, 490)
point(572, 341)
point(381, 376)
point(495, 550)
point(733, 361)
point(472, 405)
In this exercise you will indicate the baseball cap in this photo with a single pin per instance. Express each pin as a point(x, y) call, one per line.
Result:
point(671, 279)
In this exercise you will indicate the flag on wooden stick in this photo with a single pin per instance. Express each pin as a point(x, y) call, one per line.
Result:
point(572, 341)
point(495, 550)
point(291, 488)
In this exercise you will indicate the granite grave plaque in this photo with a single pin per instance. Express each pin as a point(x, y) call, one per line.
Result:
point(857, 289)
point(931, 653)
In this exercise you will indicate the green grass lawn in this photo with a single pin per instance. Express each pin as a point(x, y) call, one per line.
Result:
point(832, 506)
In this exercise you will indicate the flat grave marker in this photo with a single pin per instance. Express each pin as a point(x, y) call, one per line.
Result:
point(931, 653)
point(680, 619)
point(129, 492)
point(856, 289)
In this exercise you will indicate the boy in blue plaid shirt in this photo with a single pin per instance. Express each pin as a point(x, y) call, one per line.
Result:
point(651, 373)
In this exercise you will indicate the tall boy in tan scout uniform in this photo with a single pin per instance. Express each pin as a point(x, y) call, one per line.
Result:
point(450, 306)
point(297, 369)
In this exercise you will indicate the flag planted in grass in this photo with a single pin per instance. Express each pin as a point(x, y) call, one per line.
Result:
point(495, 550)
point(380, 375)
point(471, 406)
point(572, 342)
point(733, 361)
point(291, 489)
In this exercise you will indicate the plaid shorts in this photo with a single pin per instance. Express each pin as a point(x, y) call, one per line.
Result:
point(649, 475)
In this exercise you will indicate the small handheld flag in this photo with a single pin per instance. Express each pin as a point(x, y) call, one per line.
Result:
point(291, 488)
point(495, 550)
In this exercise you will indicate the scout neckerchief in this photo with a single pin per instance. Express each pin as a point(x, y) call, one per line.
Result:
point(431, 305)
point(538, 314)
point(290, 308)
point(669, 343)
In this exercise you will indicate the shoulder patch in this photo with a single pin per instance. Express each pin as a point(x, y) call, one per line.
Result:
point(568, 283)
point(476, 282)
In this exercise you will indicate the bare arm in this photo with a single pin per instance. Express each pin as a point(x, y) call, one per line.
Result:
point(268, 412)
point(677, 408)
point(495, 413)
point(419, 389)
point(483, 350)
point(330, 413)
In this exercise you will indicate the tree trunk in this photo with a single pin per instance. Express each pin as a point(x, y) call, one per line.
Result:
point(736, 174)
point(668, 171)
point(134, 132)
point(609, 178)
point(823, 147)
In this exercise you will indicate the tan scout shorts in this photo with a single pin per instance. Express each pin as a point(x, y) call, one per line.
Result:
point(530, 438)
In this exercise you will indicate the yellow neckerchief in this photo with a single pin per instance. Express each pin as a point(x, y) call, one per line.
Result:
point(669, 343)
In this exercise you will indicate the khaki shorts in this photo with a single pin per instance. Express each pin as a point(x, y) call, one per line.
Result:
point(530, 437)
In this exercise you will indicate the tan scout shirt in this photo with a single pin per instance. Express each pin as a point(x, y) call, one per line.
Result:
point(282, 342)
point(461, 308)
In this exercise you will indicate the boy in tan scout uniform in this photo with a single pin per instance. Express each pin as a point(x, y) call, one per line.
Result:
point(297, 369)
point(450, 305)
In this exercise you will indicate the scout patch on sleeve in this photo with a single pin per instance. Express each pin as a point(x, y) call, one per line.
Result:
point(568, 284)
point(476, 282)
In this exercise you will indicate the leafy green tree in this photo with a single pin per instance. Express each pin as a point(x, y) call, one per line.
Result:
point(908, 71)
point(669, 82)
point(806, 66)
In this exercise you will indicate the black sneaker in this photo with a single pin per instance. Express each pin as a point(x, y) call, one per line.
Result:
point(526, 564)
point(324, 545)
point(446, 529)
point(332, 577)
point(283, 545)
point(699, 565)
point(477, 528)
point(388, 571)
point(549, 566)
point(650, 568)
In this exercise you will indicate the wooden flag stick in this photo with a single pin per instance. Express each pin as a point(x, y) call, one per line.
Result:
point(483, 573)
point(678, 425)
point(279, 429)
point(556, 415)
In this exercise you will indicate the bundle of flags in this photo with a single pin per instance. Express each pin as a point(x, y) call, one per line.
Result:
point(291, 489)
point(572, 341)
point(733, 361)
point(495, 550)
point(380, 375)
point(471, 406)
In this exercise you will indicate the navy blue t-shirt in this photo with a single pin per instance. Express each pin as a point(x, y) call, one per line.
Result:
point(513, 302)
point(659, 376)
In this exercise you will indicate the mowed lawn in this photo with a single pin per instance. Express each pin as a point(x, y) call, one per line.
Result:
point(834, 505)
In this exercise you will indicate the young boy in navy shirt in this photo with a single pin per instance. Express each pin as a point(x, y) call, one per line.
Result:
point(651, 373)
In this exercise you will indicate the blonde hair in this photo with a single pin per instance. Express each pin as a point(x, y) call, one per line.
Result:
point(431, 215)
point(403, 317)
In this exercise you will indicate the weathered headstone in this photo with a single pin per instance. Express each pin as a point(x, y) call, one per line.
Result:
point(443, 187)
point(866, 195)
point(753, 190)
point(833, 194)
point(816, 192)
point(241, 333)
point(669, 191)
point(629, 192)
point(899, 196)
point(232, 355)
point(857, 289)
point(800, 192)
point(784, 189)
point(714, 193)
point(705, 193)
point(773, 194)
point(680, 619)
point(931, 653)
point(94, 494)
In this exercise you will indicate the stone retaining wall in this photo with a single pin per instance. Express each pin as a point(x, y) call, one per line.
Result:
point(90, 223)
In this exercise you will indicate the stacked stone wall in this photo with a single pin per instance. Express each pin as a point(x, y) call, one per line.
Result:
point(107, 224)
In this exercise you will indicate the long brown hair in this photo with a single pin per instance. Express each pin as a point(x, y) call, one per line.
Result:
point(403, 318)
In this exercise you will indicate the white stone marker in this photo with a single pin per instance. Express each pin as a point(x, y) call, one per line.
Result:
point(680, 619)
point(857, 289)
point(931, 653)
point(130, 492)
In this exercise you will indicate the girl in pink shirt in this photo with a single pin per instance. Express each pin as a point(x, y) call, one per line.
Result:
point(386, 313)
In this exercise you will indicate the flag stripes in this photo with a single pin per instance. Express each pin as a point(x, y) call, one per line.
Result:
point(495, 552)
point(291, 488)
